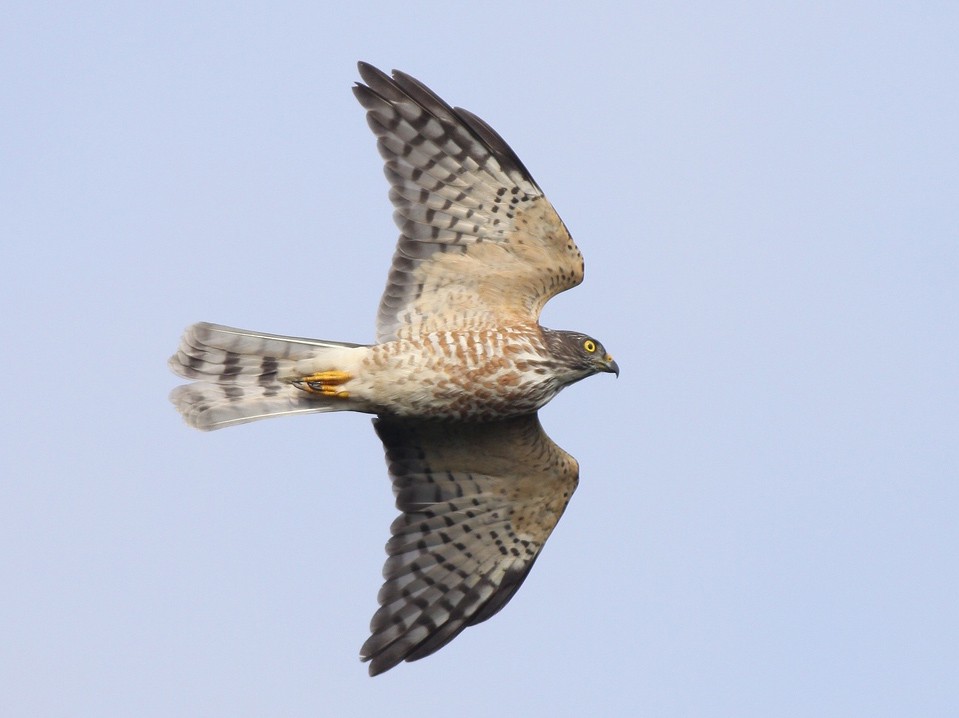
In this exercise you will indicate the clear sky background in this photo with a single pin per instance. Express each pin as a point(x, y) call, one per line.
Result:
point(767, 196)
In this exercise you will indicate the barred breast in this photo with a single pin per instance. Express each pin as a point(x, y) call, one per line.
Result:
point(475, 375)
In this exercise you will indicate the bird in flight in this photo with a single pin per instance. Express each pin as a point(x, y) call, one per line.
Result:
point(458, 372)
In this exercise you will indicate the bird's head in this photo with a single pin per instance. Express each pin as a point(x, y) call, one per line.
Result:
point(581, 353)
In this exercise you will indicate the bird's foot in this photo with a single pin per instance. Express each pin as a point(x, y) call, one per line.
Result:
point(324, 383)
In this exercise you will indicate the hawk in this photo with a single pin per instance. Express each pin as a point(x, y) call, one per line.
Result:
point(458, 372)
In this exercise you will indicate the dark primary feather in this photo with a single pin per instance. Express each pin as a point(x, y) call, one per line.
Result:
point(403, 87)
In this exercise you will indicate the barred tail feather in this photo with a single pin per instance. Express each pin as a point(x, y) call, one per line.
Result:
point(208, 406)
point(244, 376)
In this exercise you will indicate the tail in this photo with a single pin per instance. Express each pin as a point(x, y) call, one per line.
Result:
point(243, 376)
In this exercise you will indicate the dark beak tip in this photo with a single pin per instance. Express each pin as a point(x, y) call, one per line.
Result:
point(607, 365)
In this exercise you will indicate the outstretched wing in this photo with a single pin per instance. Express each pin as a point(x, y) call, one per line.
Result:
point(480, 245)
point(478, 502)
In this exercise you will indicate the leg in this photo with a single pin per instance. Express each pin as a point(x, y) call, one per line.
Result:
point(324, 383)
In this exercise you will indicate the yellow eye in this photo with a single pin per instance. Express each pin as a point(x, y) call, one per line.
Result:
point(589, 345)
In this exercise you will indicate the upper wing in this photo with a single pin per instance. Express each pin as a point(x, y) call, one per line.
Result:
point(478, 502)
point(480, 245)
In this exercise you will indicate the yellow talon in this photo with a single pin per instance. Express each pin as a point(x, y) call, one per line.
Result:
point(324, 383)
point(327, 377)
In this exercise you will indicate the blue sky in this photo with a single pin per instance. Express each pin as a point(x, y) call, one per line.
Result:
point(766, 196)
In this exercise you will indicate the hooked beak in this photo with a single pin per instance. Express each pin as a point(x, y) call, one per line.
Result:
point(608, 365)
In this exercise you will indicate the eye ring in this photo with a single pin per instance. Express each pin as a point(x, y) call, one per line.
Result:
point(589, 345)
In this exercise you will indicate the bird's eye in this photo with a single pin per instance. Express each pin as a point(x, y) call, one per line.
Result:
point(589, 345)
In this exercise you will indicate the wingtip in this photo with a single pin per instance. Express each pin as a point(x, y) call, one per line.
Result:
point(375, 667)
point(370, 73)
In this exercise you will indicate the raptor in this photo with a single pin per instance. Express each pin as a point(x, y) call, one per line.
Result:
point(458, 372)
